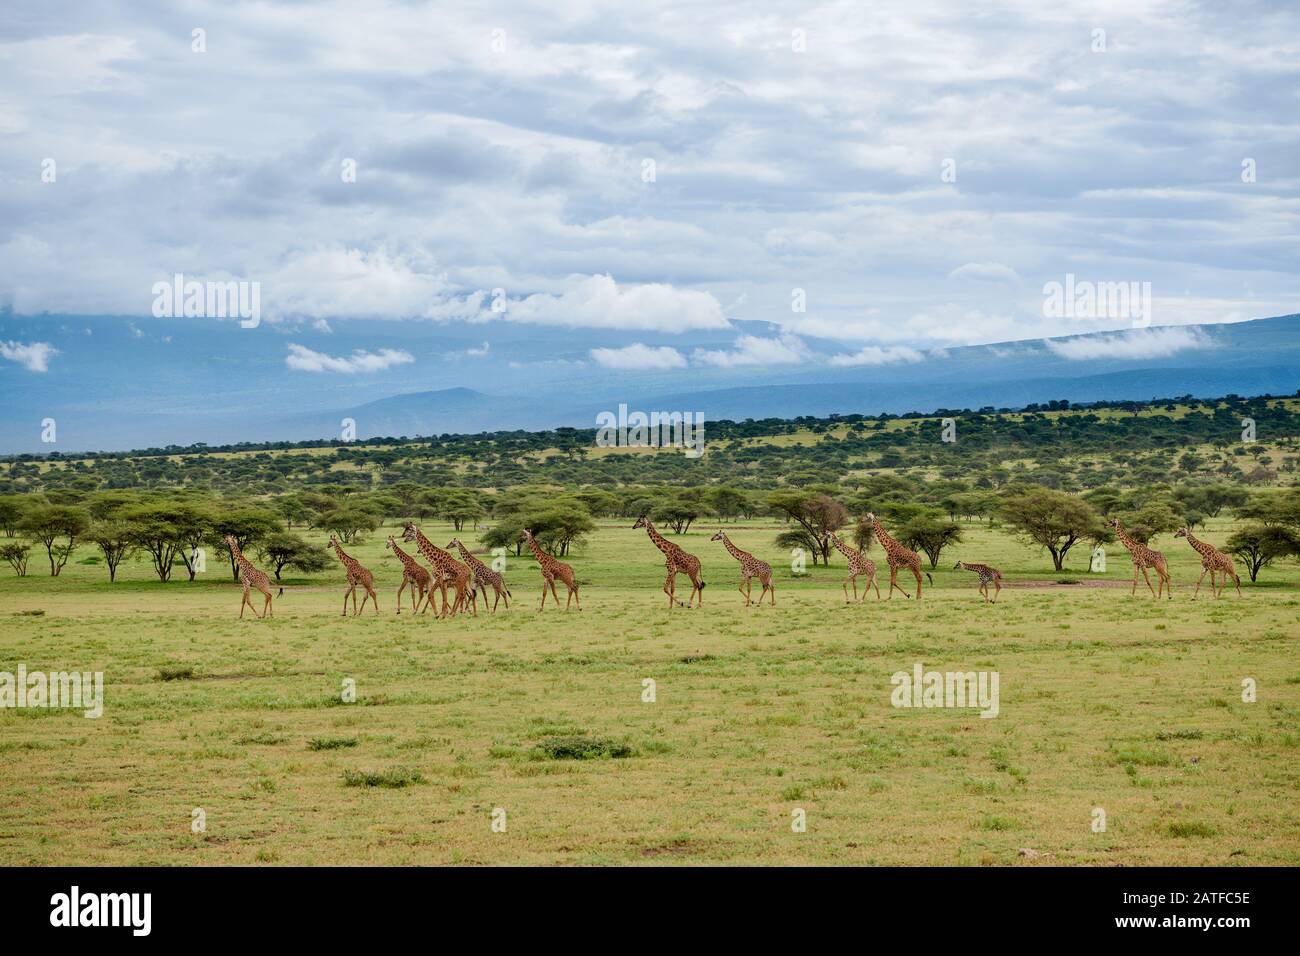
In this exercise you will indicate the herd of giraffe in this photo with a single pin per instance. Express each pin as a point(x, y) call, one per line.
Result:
point(468, 577)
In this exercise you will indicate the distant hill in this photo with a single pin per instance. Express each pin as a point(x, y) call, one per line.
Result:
point(116, 384)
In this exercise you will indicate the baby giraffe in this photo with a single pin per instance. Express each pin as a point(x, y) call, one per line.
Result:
point(356, 575)
point(987, 576)
point(750, 568)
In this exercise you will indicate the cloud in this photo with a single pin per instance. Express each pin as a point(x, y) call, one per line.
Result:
point(34, 356)
point(638, 356)
point(756, 350)
point(1138, 344)
point(875, 355)
point(598, 302)
point(986, 272)
point(480, 351)
point(304, 359)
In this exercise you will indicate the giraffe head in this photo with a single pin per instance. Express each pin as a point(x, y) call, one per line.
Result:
point(1113, 523)
point(1182, 532)
point(641, 522)
point(720, 536)
point(957, 566)
point(528, 534)
point(870, 518)
point(454, 543)
point(334, 542)
point(390, 544)
point(408, 532)
point(231, 540)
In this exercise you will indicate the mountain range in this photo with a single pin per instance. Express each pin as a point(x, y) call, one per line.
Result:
point(115, 383)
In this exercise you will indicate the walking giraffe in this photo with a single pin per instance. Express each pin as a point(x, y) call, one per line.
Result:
point(251, 578)
point(898, 557)
point(676, 561)
point(1212, 560)
point(987, 575)
point(750, 568)
point(483, 576)
point(356, 575)
point(446, 570)
point(552, 569)
point(1143, 558)
point(859, 563)
point(414, 574)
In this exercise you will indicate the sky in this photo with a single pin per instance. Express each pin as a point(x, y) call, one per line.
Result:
point(873, 181)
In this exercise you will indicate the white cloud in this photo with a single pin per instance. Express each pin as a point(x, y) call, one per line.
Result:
point(598, 302)
point(875, 355)
point(756, 350)
point(985, 272)
point(34, 356)
point(638, 356)
point(480, 351)
point(1138, 344)
point(304, 359)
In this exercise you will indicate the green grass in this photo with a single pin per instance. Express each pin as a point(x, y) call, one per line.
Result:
point(1107, 701)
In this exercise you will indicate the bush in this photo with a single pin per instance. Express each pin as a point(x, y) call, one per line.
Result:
point(579, 747)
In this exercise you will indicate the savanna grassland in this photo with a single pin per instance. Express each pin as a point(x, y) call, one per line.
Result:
point(1107, 701)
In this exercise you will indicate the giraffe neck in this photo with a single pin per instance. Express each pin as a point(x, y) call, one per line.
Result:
point(1125, 540)
point(735, 551)
point(660, 542)
point(537, 552)
point(1199, 545)
point(889, 543)
point(240, 560)
point(402, 556)
point(343, 555)
point(841, 547)
point(429, 549)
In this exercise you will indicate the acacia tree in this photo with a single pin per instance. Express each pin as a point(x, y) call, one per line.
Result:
point(1054, 520)
point(15, 553)
point(1259, 545)
point(115, 540)
point(282, 550)
point(246, 526)
point(817, 515)
point(49, 523)
point(929, 532)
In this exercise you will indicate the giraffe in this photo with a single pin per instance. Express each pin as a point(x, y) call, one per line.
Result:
point(251, 578)
point(483, 576)
point(1212, 560)
point(414, 574)
point(552, 569)
point(750, 568)
point(446, 570)
point(676, 561)
point(356, 575)
point(1143, 558)
point(987, 575)
point(859, 563)
point(898, 557)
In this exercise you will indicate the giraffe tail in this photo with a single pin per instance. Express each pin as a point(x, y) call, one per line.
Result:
point(927, 574)
point(281, 594)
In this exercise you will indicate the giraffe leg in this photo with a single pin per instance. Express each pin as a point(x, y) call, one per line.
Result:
point(556, 595)
point(873, 583)
point(771, 588)
point(917, 572)
point(399, 594)
point(1147, 578)
point(845, 585)
point(543, 607)
point(1168, 580)
point(1238, 580)
point(374, 600)
point(699, 591)
point(1198, 583)
point(267, 610)
point(576, 600)
point(241, 606)
point(670, 587)
point(1134, 592)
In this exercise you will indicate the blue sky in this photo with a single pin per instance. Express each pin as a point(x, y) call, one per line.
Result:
point(919, 171)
